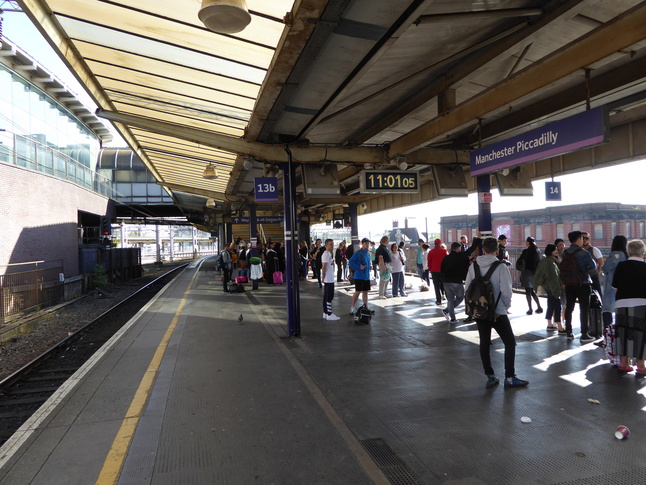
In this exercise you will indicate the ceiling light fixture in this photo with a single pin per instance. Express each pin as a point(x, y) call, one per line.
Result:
point(224, 16)
point(210, 172)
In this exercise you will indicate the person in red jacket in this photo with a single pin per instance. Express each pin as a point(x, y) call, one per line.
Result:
point(435, 257)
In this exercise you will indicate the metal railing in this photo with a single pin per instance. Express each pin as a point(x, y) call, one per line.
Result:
point(26, 287)
point(25, 152)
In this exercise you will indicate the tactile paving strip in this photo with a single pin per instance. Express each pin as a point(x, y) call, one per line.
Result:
point(396, 472)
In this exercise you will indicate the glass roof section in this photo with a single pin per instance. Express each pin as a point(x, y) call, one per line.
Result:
point(155, 59)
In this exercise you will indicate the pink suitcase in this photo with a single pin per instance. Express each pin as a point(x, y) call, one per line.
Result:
point(241, 279)
point(278, 278)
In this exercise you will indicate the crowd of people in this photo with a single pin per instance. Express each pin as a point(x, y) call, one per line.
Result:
point(616, 287)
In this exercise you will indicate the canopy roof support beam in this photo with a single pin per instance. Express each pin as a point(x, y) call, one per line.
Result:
point(620, 33)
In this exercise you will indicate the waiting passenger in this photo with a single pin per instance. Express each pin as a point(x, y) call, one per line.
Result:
point(501, 283)
point(435, 257)
point(454, 270)
point(397, 263)
point(382, 255)
point(577, 281)
point(548, 276)
point(598, 258)
point(630, 283)
point(327, 274)
point(527, 264)
point(360, 263)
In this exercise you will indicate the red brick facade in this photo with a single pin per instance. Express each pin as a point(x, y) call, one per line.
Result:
point(602, 220)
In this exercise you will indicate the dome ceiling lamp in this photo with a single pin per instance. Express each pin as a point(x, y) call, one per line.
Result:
point(210, 173)
point(224, 16)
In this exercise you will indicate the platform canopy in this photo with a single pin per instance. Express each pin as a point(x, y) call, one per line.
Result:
point(349, 83)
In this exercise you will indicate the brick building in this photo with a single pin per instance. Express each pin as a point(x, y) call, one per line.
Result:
point(602, 220)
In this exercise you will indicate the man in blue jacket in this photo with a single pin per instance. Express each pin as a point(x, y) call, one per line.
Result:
point(360, 263)
point(579, 287)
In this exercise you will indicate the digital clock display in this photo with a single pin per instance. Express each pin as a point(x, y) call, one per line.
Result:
point(389, 182)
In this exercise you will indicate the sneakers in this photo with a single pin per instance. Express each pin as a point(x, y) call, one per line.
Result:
point(585, 338)
point(515, 382)
point(469, 320)
point(570, 336)
point(492, 381)
point(332, 316)
point(562, 331)
point(445, 312)
point(325, 316)
point(382, 297)
point(352, 310)
point(453, 321)
point(529, 312)
point(539, 310)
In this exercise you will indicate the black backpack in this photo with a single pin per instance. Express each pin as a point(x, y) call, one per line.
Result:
point(236, 288)
point(362, 316)
point(569, 269)
point(480, 300)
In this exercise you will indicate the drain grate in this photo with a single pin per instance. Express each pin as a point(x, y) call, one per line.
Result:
point(394, 469)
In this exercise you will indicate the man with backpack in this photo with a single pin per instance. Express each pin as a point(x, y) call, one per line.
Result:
point(577, 269)
point(488, 298)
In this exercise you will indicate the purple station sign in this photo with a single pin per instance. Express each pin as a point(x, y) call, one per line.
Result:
point(265, 189)
point(574, 133)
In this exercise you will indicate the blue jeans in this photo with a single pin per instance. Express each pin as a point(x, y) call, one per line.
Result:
point(420, 271)
point(397, 283)
point(454, 296)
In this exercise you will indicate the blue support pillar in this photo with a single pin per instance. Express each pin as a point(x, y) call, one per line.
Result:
point(253, 239)
point(291, 247)
point(354, 226)
point(484, 208)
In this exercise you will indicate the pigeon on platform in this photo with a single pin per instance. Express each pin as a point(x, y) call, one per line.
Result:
point(240, 318)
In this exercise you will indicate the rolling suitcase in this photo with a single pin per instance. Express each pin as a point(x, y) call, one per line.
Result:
point(595, 319)
point(278, 278)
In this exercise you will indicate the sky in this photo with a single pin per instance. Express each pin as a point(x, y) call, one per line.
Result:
point(621, 183)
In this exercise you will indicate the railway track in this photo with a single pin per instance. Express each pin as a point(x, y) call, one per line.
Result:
point(23, 392)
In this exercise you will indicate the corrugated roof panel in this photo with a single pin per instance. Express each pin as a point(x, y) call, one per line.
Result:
point(151, 29)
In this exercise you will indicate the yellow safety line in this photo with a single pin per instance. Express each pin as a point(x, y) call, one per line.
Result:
point(114, 461)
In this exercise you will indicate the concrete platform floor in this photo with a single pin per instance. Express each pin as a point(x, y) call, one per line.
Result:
point(401, 401)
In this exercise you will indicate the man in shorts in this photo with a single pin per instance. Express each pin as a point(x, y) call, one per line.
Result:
point(360, 262)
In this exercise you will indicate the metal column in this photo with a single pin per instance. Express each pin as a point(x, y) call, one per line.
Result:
point(354, 226)
point(484, 208)
point(253, 239)
point(291, 247)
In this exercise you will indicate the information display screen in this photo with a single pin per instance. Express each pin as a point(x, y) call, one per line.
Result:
point(389, 182)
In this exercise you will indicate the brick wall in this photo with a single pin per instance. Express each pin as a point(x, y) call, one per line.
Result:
point(39, 217)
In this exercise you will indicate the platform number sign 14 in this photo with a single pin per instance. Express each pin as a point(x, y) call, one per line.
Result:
point(553, 191)
point(266, 189)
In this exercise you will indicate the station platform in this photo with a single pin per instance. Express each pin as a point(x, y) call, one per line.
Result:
point(187, 393)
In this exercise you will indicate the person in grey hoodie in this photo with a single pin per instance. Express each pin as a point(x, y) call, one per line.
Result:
point(501, 283)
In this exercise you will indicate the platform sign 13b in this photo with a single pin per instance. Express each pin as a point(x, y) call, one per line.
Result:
point(553, 191)
point(266, 189)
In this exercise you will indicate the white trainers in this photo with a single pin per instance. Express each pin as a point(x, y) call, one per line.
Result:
point(325, 316)
point(332, 316)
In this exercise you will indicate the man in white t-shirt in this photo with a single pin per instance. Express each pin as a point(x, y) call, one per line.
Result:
point(328, 277)
point(598, 258)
